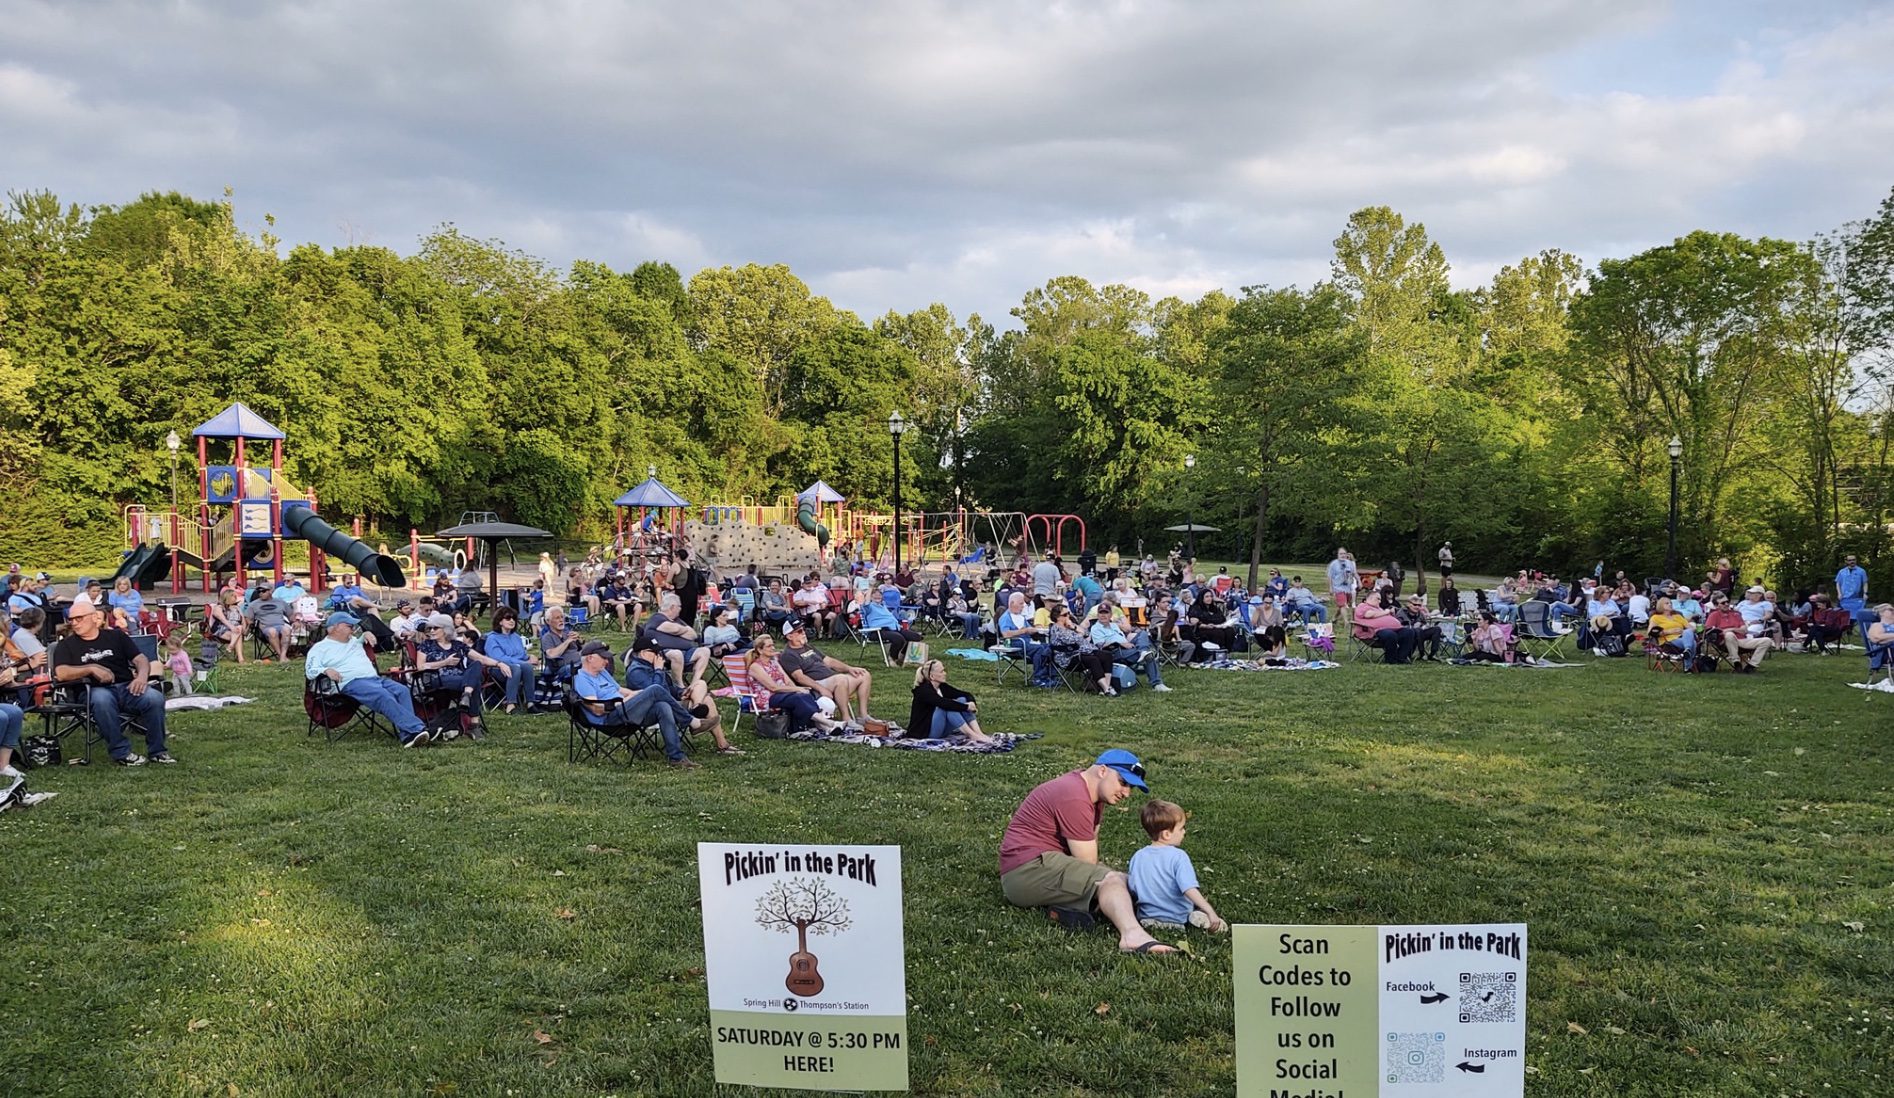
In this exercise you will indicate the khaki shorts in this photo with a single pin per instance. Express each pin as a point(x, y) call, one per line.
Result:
point(1053, 880)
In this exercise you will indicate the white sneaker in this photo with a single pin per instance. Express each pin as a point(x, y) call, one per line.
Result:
point(9, 772)
point(851, 725)
point(1160, 688)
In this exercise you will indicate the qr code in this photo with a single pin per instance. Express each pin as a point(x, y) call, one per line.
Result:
point(1417, 1057)
point(1489, 996)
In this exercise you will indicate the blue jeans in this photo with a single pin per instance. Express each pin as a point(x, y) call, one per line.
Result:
point(12, 718)
point(1505, 611)
point(1311, 611)
point(1131, 657)
point(801, 708)
point(389, 698)
point(518, 684)
point(947, 722)
point(969, 626)
point(110, 703)
point(652, 705)
point(462, 679)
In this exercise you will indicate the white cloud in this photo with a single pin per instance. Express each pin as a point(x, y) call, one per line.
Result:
point(966, 150)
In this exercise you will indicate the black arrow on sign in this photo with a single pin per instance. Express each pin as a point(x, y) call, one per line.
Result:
point(1436, 997)
point(1475, 1068)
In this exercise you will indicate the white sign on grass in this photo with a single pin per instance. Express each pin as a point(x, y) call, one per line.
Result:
point(803, 956)
point(1388, 1011)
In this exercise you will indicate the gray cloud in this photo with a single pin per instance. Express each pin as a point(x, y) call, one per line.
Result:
point(965, 151)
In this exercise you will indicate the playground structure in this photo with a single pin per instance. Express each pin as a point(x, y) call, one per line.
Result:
point(795, 534)
point(244, 516)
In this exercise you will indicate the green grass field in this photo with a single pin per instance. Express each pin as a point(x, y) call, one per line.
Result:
point(1705, 864)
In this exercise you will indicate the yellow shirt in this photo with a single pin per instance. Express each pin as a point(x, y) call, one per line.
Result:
point(1669, 626)
point(1042, 618)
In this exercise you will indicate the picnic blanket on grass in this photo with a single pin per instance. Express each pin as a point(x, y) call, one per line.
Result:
point(1002, 742)
point(1885, 686)
point(1290, 663)
point(974, 654)
point(203, 701)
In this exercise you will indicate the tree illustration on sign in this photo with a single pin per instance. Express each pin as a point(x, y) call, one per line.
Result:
point(808, 906)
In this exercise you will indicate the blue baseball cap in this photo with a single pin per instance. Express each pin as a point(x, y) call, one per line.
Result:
point(1127, 766)
point(341, 617)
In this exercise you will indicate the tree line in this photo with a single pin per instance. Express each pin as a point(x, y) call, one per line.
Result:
point(1526, 420)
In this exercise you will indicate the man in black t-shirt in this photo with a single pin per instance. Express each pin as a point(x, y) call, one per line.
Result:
point(118, 680)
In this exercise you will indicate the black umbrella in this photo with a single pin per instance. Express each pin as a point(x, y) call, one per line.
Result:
point(493, 533)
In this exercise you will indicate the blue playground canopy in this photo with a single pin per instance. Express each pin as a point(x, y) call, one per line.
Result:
point(237, 421)
point(821, 493)
point(650, 494)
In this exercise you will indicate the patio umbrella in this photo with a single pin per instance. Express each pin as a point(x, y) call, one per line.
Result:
point(1194, 528)
point(493, 533)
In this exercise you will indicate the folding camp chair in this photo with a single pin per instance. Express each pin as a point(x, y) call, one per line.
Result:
point(1536, 632)
point(67, 709)
point(334, 714)
point(1012, 661)
point(586, 741)
point(880, 640)
point(1880, 658)
point(749, 700)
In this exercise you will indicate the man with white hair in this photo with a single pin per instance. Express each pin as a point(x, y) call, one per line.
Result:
point(339, 655)
point(117, 677)
point(667, 631)
point(559, 645)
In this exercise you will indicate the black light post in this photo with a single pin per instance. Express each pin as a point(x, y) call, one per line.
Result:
point(1190, 513)
point(896, 428)
point(1676, 448)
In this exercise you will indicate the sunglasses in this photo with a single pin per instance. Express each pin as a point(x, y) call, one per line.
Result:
point(1135, 768)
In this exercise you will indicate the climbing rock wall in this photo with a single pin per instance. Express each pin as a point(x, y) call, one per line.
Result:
point(776, 549)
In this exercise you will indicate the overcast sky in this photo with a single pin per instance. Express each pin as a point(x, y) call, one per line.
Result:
point(895, 154)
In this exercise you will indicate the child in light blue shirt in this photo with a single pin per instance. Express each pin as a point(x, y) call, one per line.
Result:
point(1162, 879)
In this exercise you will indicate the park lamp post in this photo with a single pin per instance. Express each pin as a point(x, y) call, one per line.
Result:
point(1676, 449)
point(1190, 512)
point(896, 428)
point(171, 443)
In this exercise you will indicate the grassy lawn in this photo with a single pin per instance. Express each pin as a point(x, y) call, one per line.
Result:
point(1705, 864)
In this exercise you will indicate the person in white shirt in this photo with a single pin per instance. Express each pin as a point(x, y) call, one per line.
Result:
point(1638, 609)
point(1756, 610)
point(812, 602)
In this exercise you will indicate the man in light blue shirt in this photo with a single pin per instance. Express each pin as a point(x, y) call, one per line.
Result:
point(339, 656)
point(1851, 585)
point(1016, 630)
point(608, 704)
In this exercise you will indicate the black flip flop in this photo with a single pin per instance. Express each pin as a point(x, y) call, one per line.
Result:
point(1147, 947)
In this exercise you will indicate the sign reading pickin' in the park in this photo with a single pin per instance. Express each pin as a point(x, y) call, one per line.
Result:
point(1380, 1011)
point(803, 955)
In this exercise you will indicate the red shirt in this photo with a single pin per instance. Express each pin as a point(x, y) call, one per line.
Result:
point(1724, 618)
point(1058, 812)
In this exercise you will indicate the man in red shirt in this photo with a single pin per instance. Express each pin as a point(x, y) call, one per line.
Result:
point(1745, 651)
point(1049, 854)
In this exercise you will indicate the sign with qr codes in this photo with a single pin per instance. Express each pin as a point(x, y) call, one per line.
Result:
point(1380, 1011)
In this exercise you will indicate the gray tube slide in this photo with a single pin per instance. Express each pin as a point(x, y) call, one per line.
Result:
point(374, 567)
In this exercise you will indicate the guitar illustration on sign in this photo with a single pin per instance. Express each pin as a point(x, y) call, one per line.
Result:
point(808, 906)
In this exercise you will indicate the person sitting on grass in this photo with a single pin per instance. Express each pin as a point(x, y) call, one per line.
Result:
point(1492, 640)
point(1266, 625)
point(842, 683)
point(117, 678)
point(460, 666)
point(512, 664)
point(1162, 879)
point(644, 668)
point(1049, 853)
point(1670, 630)
point(669, 631)
point(1732, 633)
point(1376, 626)
point(941, 708)
point(802, 703)
point(609, 705)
